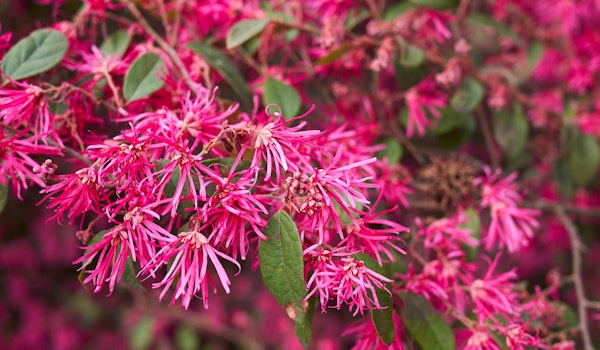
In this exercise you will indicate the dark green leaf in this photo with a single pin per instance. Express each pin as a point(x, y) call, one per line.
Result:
point(382, 319)
point(243, 30)
point(392, 151)
point(535, 51)
point(186, 338)
point(116, 43)
point(458, 136)
point(142, 77)
point(281, 262)
point(333, 55)
point(412, 56)
point(304, 321)
point(425, 325)
point(569, 315)
point(283, 95)
point(562, 175)
point(511, 131)
point(408, 77)
point(222, 64)
point(129, 275)
point(142, 334)
point(583, 158)
point(40, 51)
point(451, 120)
point(282, 268)
point(487, 21)
point(436, 4)
point(3, 197)
point(468, 96)
point(97, 238)
point(473, 223)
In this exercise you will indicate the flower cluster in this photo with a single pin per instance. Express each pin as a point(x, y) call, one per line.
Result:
point(176, 134)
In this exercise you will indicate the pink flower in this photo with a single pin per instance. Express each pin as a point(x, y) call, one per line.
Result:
point(324, 263)
point(321, 197)
point(15, 161)
point(279, 145)
point(476, 339)
point(145, 234)
point(187, 172)
point(493, 294)
point(190, 253)
point(510, 226)
point(76, 194)
point(374, 235)
point(356, 285)
point(232, 208)
point(423, 97)
point(423, 284)
point(112, 252)
point(338, 276)
point(19, 106)
point(446, 233)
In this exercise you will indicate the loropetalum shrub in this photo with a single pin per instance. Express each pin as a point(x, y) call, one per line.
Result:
point(396, 159)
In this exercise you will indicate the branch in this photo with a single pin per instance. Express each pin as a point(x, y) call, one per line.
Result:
point(576, 249)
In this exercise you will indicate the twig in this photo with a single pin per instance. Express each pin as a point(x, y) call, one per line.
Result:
point(576, 249)
point(488, 136)
point(573, 209)
point(397, 133)
point(164, 45)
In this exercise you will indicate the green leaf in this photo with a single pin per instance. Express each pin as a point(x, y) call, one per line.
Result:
point(487, 21)
point(283, 95)
point(397, 9)
point(408, 77)
point(392, 151)
point(129, 275)
point(97, 237)
point(425, 325)
point(116, 43)
point(511, 131)
point(457, 136)
point(282, 268)
point(451, 120)
point(142, 77)
point(40, 51)
point(535, 51)
point(564, 179)
point(583, 158)
point(243, 30)
point(222, 64)
point(473, 223)
point(436, 4)
point(3, 197)
point(333, 55)
point(412, 56)
point(468, 96)
point(142, 334)
point(186, 338)
point(382, 319)
point(569, 315)
point(304, 321)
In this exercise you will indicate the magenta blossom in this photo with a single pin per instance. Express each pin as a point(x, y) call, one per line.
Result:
point(75, 194)
point(190, 253)
point(511, 226)
point(419, 99)
point(112, 251)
